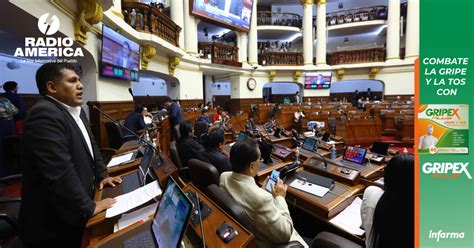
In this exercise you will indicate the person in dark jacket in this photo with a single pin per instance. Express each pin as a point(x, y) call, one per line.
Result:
point(213, 143)
point(11, 93)
point(188, 146)
point(62, 165)
point(135, 121)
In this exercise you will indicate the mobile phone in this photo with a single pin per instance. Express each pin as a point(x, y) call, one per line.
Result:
point(272, 180)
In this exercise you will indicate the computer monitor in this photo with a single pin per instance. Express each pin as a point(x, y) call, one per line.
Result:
point(145, 165)
point(380, 147)
point(172, 216)
point(310, 144)
point(326, 136)
point(354, 154)
point(265, 151)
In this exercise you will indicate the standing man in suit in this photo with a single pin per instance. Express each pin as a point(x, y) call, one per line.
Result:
point(268, 211)
point(174, 113)
point(62, 163)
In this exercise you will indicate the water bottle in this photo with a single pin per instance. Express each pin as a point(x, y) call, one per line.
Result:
point(333, 152)
point(297, 154)
point(147, 136)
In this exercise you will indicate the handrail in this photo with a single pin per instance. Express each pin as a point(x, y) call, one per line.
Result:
point(149, 19)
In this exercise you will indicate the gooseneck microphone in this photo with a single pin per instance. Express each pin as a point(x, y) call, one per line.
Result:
point(130, 91)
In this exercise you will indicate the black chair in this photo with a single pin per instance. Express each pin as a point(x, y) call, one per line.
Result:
point(332, 125)
point(183, 170)
point(115, 135)
point(230, 206)
point(9, 210)
point(202, 174)
point(331, 240)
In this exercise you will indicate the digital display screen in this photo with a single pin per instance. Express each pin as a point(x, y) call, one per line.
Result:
point(232, 13)
point(120, 56)
point(355, 154)
point(317, 80)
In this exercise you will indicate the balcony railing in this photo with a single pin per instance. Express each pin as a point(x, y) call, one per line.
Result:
point(278, 19)
point(220, 53)
point(280, 58)
point(145, 18)
point(357, 15)
point(357, 56)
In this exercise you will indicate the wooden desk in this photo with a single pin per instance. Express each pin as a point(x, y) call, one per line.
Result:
point(210, 225)
point(359, 131)
point(366, 170)
point(98, 225)
point(305, 154)
point(282, 140)
point(121, 169)
point(316, 166)
point(128, 146)
point(282, 152)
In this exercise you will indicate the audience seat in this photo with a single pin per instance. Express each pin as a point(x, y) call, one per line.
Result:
point(200, 128)
point(331, 240)
point(183, 170)
point(115, 135)
point(9, 210)
point(202, 174)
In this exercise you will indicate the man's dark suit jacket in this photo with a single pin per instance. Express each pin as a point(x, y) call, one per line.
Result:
point(175, 114)
point(219, 160)
point(189, 148)
point(134, 122)
point(59, 176)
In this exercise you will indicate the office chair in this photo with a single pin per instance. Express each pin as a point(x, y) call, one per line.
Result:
point(332, 124)
point(331, 240)
point(9, 210)
point(115, 135)
point(183, 170)
point(230, 206)
point(202, 174)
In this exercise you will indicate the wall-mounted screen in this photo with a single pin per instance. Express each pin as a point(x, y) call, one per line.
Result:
point(317, 80)
point(120, 56)
point(234, 14)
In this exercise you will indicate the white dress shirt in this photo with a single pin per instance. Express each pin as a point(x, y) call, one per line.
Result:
point(75, 112)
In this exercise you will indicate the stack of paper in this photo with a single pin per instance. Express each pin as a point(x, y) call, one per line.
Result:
point(134, 199)
point(135, 216)
point(118, 160)
point(349, 219)
point(309, 187)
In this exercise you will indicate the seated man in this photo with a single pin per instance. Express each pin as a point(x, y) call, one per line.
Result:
point(268, 211)
point(188, 146)
point(204, 117)
point(213, 144)
point(135, 121)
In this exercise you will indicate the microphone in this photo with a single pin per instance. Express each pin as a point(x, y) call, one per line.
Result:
point(198, 199)
point(140, 139)
point(130, 91)
point(324, 160)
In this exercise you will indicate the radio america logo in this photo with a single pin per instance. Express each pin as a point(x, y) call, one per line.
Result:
point(49, 47)
point(446, 169)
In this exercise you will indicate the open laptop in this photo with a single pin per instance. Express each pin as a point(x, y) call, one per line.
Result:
point(310, 144)
point(137, 179)
point(170, 221)
point(380, 148)
point(354, 156)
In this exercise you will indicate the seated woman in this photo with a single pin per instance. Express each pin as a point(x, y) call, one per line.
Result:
point(218, 115)
point(387, 216)
point(213, 143)
point(268, 211)
point(188, 146)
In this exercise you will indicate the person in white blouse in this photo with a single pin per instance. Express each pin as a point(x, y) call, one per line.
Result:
point(388, 215)
point(427, 140)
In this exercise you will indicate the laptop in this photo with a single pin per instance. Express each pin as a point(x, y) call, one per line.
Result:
point(310, 144)
point(170, 221)
point(380, 148)
point(137, 179)
point(354, 156)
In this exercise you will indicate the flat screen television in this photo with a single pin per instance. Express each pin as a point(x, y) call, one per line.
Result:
point(234, 14)
point(317, 80)
point(120, 56)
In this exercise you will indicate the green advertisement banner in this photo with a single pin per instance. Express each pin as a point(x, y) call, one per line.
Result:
point(446, 209)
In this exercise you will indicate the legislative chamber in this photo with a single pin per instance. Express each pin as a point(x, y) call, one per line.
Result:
point(324, 89)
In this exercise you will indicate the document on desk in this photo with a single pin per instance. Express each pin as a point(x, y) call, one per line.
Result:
point(134, 199)
point(120, 159)
point(309, 187)
point(135, 216)
point(349, 219)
